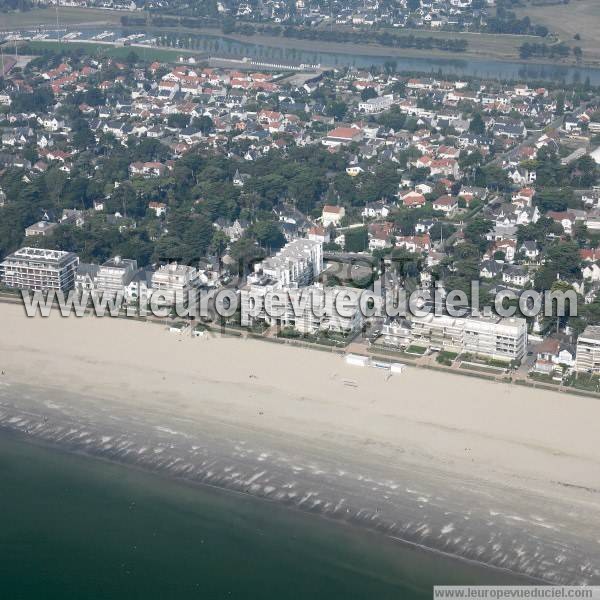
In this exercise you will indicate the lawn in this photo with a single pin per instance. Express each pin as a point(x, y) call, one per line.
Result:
point(416, 350)
point(480, 368)
point(67, 16)
point(577, 17)
point(159, 54)
point(503, 46)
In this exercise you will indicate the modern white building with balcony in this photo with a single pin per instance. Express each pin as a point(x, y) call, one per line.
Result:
point(587, 359)
point(39, 269)
point(297, 264)
point(494, 337)
point(115, 274)
point(174, 282)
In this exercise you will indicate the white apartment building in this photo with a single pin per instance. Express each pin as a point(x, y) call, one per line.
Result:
point(376, 105)
point(298, 263)
point(39, 269)
point(307, 309)
point(174, 282)
point(587, 359)
point(494, 337)
point(115, 275)
point(438, 332)
point(503, 339)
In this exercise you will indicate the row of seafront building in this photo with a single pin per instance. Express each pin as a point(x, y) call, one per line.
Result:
point(292, 271)
point(496, 337)
point(296, 268)
point(42, 269)
point(289, 279)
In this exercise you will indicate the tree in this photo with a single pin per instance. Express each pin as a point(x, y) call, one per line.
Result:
point(178, 120)
point(219, 242)
point(245, 253)
point(476, 230)
point(205, 124)
point(357, 239)
point(268, 234)
point(561, 260)
point(337, 110)
point(228, 25)
point(82, 134)
point(368, 93)
point(477, 124)
point(560, 105)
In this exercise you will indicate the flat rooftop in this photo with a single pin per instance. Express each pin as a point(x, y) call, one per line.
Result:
point(41, 254)
point(591, 332)
point(290, 252)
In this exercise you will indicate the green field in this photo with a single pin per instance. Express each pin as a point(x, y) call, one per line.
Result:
point(159, 54)
point(67, 16)
point(499, 46)
point(577, 17)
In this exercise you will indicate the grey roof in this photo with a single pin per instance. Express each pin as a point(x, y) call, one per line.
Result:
point(492, 266)
point(529, 245)
point(90, 269)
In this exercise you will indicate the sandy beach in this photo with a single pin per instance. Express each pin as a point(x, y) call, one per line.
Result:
point(504, 475)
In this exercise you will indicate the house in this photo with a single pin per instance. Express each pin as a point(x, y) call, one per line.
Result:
point(72, 216)
point(413, 200)
point(380, 235)
point(85, 277)
point(41, 228)
point(354, 170)
point(332, 215)
point(520, 176)
point(376, 209)
point(379, 240)
point(506, 247)
point(234, 231)
point(343, 135)
point(591, 272)
point(446, 204)
point(414, 243)
point(524, 197)
point(159, 208)
point(589, 254)
point(376, 105)
point(552, 353)
point(424, 225)
point(515, 275)
point(239, 179)
point(565, 218)
point(529, 249)
point(490, 269)
point(319, 234)
point(513, 131)
point(424, 188)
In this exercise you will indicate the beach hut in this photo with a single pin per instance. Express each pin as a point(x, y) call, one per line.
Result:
point(357, 360)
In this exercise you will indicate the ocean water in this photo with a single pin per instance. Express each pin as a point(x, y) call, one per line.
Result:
point(76, 527)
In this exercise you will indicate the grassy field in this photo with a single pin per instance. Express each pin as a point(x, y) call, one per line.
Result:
point(493, 46)
point(160, 54)
point(578, 17)
point(68, 16)
point(499, 46)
